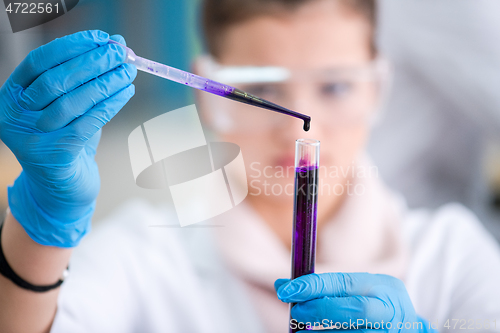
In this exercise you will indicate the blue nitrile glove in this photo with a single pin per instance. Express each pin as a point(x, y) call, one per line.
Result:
point(353, 300)
point(52, 109)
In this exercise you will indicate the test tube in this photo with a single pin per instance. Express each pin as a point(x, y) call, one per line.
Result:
point(304, 209)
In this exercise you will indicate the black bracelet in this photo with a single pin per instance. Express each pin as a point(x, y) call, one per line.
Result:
point(7, 271)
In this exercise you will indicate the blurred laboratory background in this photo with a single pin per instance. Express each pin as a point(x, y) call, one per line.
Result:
point(438, 140)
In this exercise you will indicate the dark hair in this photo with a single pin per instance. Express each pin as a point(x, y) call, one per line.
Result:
point(219, 15)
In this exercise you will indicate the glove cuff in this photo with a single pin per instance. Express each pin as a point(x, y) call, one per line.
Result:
point(41, 227)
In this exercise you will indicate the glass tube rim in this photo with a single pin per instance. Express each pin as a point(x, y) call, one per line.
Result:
point(308, 142)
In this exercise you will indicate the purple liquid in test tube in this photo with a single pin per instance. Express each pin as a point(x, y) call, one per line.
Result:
point(305, 208)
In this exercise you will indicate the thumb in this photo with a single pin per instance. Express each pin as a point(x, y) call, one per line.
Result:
point(278, 283)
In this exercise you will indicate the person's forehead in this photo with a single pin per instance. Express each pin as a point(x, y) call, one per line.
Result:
point(313, 39)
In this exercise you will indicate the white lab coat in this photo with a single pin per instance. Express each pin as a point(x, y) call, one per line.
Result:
point(132, 275)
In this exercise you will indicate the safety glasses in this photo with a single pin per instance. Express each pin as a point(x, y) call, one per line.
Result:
point(333, 97)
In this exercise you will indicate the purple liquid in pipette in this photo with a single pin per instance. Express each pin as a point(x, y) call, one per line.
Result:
point(243, 97)
point(304, 223)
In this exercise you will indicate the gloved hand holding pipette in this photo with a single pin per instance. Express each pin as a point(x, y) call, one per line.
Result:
point(52, 109)
point(359, 301)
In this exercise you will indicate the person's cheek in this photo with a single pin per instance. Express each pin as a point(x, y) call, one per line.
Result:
point(340, 150)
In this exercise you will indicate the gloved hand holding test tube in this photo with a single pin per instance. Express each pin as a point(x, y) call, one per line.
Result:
point(332, 299)
point(201, 83)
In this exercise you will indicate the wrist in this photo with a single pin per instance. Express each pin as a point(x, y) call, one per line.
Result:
point(60, 231)
point(34, 263)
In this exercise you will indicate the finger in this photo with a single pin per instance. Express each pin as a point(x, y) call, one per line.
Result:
point(70, 75)
point(311, 286)
point(56, 52)
point(75, 103)
point(358, 309)
point(84, 127)
point(119, 39)
point(278, 283)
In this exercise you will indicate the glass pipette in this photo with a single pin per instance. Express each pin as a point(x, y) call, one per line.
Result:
point(201, 83)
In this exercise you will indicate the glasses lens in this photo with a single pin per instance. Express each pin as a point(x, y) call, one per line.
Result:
point(331, 99)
